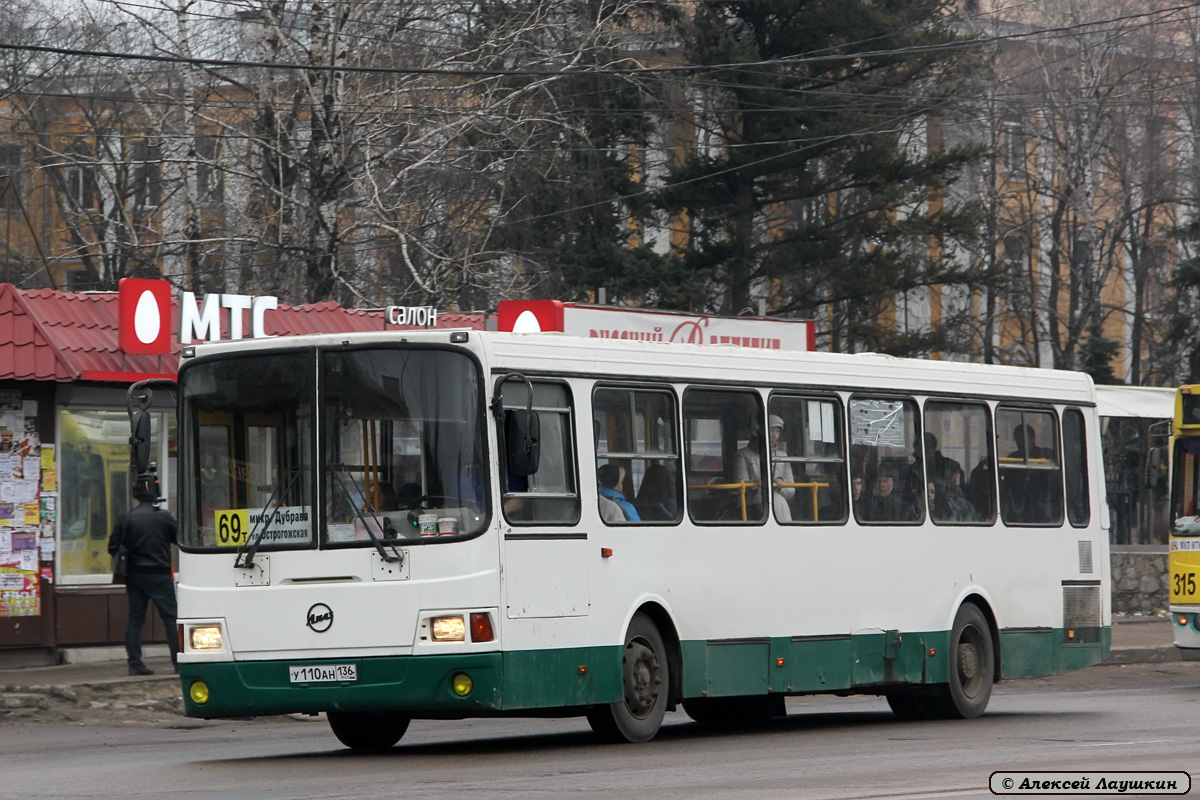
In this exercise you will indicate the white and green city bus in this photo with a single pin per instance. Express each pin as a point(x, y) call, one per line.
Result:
point(397, 526)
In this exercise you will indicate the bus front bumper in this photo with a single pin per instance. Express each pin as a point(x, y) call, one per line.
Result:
point(416, 686)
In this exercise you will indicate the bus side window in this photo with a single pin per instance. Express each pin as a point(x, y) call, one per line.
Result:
point(958, 463)
point(637, 455)
point(726, 455)
point(887, 478)
point(1030, 467)
point(808, 460)
point(1075, 464)
point(549, 496)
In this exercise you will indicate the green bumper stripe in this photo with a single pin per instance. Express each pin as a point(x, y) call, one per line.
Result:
point(529, 679)
point(251, 688)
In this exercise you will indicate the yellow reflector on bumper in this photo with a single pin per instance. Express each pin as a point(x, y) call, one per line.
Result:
point(462, 684)
point(199, 693)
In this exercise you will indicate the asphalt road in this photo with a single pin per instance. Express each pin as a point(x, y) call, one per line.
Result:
point(1133, 717)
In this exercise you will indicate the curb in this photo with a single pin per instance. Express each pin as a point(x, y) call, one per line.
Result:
point(1143, 655)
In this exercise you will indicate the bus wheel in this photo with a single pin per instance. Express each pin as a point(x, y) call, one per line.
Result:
point(972, 667)
point(362, 730)
point(646, 679)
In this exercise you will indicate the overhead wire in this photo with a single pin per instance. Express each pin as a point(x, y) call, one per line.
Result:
point(609, 201)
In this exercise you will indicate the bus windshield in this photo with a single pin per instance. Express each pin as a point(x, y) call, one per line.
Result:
point(403, 445)
point(1185, 477)
point(247, 451)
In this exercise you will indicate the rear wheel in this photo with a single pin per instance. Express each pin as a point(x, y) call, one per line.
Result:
point(646, 678)
point(972, 667)
point(363, 730)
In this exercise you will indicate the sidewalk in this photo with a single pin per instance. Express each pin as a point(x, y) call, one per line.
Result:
point(1134, 640)
point(1137, 640)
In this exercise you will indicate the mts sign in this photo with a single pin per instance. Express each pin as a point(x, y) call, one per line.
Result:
point(203, 320)
point(144, 323)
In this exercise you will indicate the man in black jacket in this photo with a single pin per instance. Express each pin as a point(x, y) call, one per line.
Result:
point(147, 532)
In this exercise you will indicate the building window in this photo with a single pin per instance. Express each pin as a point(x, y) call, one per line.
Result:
point(1015, 144)
point(210, 180)
point(79, 184)
point(147, 175)
point(12, 167)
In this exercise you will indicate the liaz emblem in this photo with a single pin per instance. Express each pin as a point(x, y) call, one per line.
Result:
point(320, 617)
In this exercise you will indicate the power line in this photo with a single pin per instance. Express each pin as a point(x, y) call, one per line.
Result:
point(683, 69)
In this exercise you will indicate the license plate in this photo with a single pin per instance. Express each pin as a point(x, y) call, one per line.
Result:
point(324, 673)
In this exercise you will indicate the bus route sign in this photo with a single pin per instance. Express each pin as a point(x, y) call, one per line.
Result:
point(290, 525)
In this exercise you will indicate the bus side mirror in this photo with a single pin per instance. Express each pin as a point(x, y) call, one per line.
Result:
point(139, 441)
point(1154, 467)
point(521, 441)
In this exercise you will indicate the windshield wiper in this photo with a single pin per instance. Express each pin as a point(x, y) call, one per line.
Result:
point(395, 555)
point(246, 552)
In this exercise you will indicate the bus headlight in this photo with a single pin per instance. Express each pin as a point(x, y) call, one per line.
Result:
point(448, 629)
point(206, 637)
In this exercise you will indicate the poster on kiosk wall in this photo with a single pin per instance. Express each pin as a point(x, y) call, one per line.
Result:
point(609, 322)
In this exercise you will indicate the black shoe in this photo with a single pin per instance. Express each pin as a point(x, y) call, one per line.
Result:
point(140, 669)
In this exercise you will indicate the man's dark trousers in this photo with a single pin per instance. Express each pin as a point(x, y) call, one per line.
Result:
point(141, 588)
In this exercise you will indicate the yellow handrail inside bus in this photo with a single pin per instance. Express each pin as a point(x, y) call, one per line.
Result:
point(814, 486)
point(740, 488)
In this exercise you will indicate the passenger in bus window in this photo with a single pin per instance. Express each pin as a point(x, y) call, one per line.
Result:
point(1027, 447)
point(940, 466)
point(887, 506)
point(610, 476)
point(747, 468)
point(948, 504)
point(781, 471)
point(979, 488)
point(656, 497)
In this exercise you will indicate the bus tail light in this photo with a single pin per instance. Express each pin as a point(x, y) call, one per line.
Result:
point(481, 628)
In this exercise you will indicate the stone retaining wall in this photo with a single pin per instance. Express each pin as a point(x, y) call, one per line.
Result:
point(1139, 578)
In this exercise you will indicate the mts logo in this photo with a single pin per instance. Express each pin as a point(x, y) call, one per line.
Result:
point(203, 320)
point(144, 318)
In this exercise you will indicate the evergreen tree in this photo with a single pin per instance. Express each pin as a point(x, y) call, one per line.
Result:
point(823, 180)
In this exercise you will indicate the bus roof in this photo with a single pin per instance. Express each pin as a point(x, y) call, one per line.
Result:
point(557, 353)
point(1145, 402)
